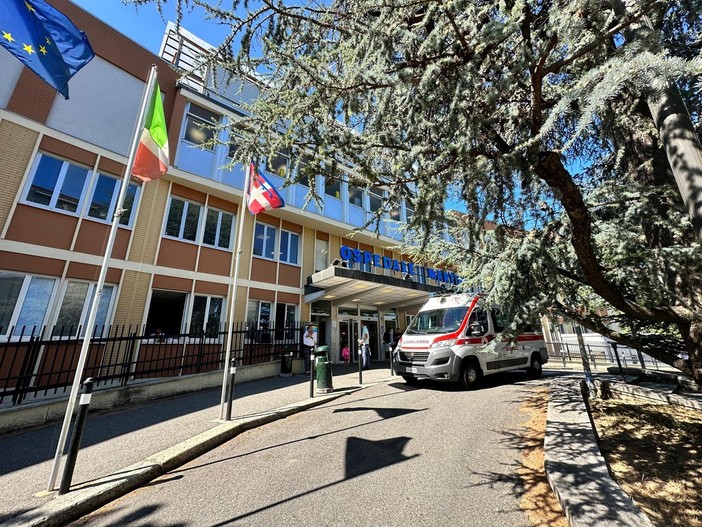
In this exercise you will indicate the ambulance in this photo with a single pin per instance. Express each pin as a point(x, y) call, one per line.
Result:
point(449, 340)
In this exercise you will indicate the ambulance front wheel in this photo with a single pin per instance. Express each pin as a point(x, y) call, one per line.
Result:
point(535, 369)
point(470, 375)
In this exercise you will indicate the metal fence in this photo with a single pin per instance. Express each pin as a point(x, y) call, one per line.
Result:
point(37, 364)
point(602, 355)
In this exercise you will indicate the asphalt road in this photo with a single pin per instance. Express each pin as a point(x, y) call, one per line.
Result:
point(389, 455)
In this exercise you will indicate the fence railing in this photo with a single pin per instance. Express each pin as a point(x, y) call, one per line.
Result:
point(37, 364)
point(602, 354)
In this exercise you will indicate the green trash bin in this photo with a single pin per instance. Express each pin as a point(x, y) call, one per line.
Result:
point(286, 363)
point(323, 370)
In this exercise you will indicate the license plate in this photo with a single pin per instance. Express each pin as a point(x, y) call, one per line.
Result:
point(411, 370)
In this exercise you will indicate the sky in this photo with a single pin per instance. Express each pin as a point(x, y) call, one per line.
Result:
point(145, 26)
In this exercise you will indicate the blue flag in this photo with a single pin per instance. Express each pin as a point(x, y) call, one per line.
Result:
point(45, 40)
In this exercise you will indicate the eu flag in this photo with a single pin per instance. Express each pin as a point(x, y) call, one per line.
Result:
point(45, 40)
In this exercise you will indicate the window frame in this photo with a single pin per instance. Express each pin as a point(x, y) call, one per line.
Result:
point(220, 214)
point(208, 333)
point(131, 217)
point(19, 304)
point(191, 115)
point(58, 184)
point(288, 252)
point(354, 193)
point(319, 254)
point(265, 235)
point(283, 328)
point(183, 220)
point(271, 168)
point(375, 193)
point(104, 308)
point(260, 331)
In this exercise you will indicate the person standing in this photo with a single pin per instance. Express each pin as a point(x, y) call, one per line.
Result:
point(364, 342)
point(386, 344)
point(307, 346)
point(345, 354)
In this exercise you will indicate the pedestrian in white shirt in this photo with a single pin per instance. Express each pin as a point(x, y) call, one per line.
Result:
point(307, 346)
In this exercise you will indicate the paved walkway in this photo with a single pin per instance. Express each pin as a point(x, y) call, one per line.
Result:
point(142, 438)
point(124, 449)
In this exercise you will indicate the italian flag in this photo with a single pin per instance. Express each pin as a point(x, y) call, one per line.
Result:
point(151, 160)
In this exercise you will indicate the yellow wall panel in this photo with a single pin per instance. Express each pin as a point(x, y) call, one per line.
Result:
point(131, 304)
point(147, 229)
point(16, 147)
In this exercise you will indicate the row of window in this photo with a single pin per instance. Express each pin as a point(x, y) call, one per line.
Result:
point(60, 185)
point(184, 222)
point(197, 132)
point(25, 301)
point(67, 187)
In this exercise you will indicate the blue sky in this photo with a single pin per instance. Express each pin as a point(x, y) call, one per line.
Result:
point(144, 24)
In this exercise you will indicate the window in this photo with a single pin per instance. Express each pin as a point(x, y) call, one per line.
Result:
point(258, 314)
point(75, 310)
point(279, 163)
point(206, 316)
point(264, 241)
point(302, 164)
point(198, 123)
point(24, 302)
point(218, 229)
point(355, 196)
point(105, 196)
point(477, 323)
point(409, 212)
point(438, 320)
point(289, 243)
point(321, 255)
point(376, 199)
point(166, 313)
point(332, 187)
point(285, 316)
point(234, 138)
point(57, 184)
point(395, 213)
point(183, 219)
point(420, 275)
point(499, 320)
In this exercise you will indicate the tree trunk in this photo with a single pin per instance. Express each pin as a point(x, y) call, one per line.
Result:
point(694, 346)
point(675, 128)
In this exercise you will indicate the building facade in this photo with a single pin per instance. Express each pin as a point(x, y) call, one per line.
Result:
point(171, 269)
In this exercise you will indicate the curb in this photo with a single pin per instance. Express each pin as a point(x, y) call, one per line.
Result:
point(617, 389)
point(90, 496)
point(575, 468)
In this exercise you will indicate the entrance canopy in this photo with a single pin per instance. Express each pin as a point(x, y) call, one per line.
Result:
point(341, 285)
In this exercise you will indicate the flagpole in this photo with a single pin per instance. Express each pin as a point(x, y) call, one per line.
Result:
point(101, 281)
point(239, 236)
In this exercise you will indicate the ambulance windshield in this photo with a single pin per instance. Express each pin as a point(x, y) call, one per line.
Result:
point(444, 320)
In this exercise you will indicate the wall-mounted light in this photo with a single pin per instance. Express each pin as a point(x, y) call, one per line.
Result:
point(407, 276)
point(336, 261)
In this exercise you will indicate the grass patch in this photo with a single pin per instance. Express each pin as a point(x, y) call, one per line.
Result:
point(654, 452)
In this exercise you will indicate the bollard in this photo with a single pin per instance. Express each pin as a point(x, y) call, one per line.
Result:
point(232, 374)
point(360, 364)
point(392, 363)
point(74, 446)
point(311, 374)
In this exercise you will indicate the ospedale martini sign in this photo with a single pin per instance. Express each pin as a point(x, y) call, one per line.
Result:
point(357, 256)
